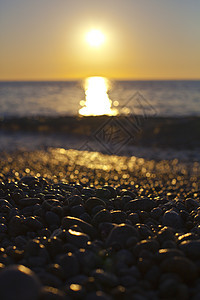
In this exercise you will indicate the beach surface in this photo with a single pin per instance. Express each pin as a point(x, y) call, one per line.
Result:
point(85, 225)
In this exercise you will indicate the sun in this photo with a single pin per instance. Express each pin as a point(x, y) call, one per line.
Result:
point(95, 38)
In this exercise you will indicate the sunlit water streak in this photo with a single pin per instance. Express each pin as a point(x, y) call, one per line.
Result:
point(168, 98)
point(97, 101)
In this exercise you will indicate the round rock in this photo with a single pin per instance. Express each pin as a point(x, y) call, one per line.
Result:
point(18, 283)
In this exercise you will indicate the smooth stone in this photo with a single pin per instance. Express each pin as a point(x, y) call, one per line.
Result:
point(52, 293)
point(88, 260)
point(69, 263)
point(127, 281)
point(164, 234)
point(144, 231)
point(92, 202)
point(49, 279)
point(191, 248)
point(68, 221)
point(118, 216)
point(124, 256)
point(52, 218)
point(77, 238)
point(17, 226)
point(3, 228)
point(28, 179)
point(134, 218)
point(101, 217)
point(171, 218)
point(120, 234)
point(149, 245)
point(103, 193)
point(77, 210)
point(181, 266)
point(17, 282)
point(28, 201)
point(188, 237)
point(99, 295)
point(34, 223)
point(105, 278)
point(140, 204)
point(191, 204)
point(163, 254)
point(76, 291)
point(56, 270)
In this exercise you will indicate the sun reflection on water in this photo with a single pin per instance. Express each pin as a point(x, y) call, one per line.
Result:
point(97, 101)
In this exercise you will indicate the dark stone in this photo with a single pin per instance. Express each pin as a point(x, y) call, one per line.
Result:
point(51, 293)
point(134, 218)
point(164, 234)
point(181, 266)
point(149, 245)
point(120, 234)
point(77, 238)
point(92, 202)
point(77, 210)
point(118, 216)
point(34, 223)
point(191, 248)
point(52, 218)
point(163, 254)
point(99, 295)
point(102, 216)
point(70, 264)
point(19, 283)
point(103, 193)
point(140, 204)
point(171, 218)
point(28, 201)
point(67, 222)
point(105, 278)
point(17, 226)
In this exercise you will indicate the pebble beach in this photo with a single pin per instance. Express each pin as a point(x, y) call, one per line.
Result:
point(85, 225)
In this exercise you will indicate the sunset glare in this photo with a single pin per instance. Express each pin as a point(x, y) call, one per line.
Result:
point(95, 38)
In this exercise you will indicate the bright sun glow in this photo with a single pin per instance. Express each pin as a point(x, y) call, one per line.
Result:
point(97, 101)
point(95, 38)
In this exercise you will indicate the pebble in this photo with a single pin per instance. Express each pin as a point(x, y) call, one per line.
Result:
point(135, 241)
point(140, 204)
point(181, 266)
point(120, 234)
point(101, 217)
point(69, 264)
point(171, 218)
point(68, 221)
point(191, 248)
point(77, 238)
point(19, 283)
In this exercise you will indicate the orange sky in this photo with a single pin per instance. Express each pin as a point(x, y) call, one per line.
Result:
point(147, 39)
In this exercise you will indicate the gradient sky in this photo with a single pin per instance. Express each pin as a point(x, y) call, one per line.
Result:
point(146, 39)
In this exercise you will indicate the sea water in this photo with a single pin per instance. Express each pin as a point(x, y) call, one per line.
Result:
point(58, 98)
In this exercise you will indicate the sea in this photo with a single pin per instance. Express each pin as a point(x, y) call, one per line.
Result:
point(58, 98)
point(163, 100)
